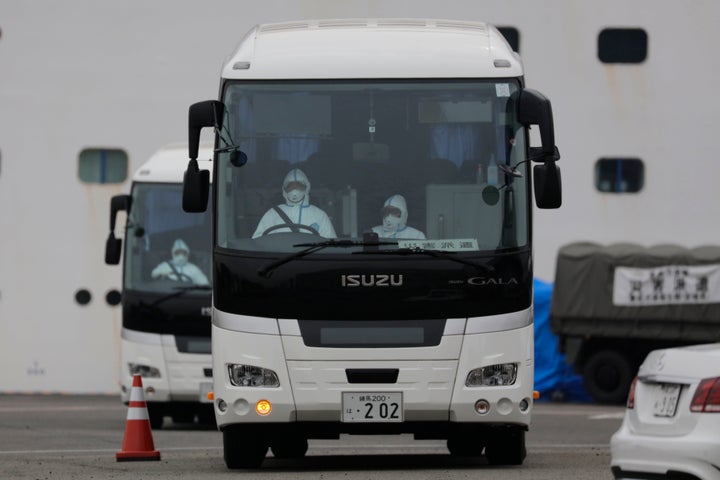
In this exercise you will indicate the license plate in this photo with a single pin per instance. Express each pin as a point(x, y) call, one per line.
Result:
point(666, 399)
point(372, 407)
point(205, 387)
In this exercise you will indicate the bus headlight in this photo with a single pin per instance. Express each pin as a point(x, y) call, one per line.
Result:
point(145, 371)
point(492, 375)
point(252, 376)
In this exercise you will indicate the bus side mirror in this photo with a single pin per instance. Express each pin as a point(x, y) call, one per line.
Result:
point(548, 191)
point(196, 187)
point(200, 115)
point(113, 246)
point(535, 109)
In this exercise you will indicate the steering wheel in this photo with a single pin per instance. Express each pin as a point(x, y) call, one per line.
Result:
point(290, 225)
point(184, 278)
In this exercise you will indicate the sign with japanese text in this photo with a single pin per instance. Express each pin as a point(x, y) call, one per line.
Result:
point(667, 285)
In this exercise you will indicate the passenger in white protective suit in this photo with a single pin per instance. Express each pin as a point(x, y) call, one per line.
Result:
point(394, 218)
point(297, 209)
point(179, 268)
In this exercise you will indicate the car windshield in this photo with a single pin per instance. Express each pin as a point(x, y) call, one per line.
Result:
point(167, 250)
point(421, 163)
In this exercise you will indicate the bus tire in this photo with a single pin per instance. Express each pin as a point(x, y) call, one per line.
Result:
point(506, 448)
point(243, 447)
point(607, 376)
point(464, 446)
point(156, 415)
point(292, 446)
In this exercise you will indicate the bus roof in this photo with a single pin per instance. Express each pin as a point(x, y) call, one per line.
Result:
point(373, 48)
point(168, 164)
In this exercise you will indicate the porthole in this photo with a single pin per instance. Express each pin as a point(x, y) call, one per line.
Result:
point(622, 45)
point(619, 175)
point(113, 297)
point(102, 165)
point(83, 296)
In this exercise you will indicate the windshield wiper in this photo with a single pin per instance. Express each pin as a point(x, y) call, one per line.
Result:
point(434, 253)
point(179, 291)
point(266, 271)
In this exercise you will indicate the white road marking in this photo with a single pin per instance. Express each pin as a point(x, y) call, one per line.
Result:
point(608, 416)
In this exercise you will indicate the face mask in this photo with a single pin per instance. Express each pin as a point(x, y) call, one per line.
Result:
point(295, 196)
point(180, 259)
point(391, 223)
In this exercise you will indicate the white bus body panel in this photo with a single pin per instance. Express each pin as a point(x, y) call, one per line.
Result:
point(182, 375)
point(312, 379)
point(168, 164)
point(420, 49)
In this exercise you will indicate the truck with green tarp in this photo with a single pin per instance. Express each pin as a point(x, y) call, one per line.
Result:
point(613, 304)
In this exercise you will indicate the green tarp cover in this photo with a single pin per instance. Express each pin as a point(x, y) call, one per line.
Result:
point(663, 291)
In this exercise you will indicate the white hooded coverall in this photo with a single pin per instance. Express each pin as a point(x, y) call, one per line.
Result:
point(393, 227)
point(179, 268)
point(298, 209)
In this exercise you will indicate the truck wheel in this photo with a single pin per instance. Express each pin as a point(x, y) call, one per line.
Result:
point(243, 447)
point(607, 376)
point(506, 448)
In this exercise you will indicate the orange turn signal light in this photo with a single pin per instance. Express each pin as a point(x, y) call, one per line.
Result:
point(263, 407)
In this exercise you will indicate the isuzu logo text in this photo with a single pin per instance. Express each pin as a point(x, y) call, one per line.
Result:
point(380, 280)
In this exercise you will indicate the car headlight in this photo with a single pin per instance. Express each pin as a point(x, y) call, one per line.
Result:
point(145, 371)
point(492, 375)
point(252, 376)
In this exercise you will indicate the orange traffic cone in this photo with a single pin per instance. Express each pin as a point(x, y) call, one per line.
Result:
point(138, 442)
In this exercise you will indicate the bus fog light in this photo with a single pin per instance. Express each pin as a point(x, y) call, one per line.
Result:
point(493, 375)
point(145, 371)
point(263, 407)
point(221, 405)
point(150, 391)
point(482, 407)
point(252, 376)
point(524, 405)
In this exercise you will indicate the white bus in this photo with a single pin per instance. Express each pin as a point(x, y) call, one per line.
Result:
point(401, 316)
point(165, 334)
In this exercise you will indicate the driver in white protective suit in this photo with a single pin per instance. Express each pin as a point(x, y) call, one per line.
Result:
point(394, 221)
point(296, 210)
point(179, 268)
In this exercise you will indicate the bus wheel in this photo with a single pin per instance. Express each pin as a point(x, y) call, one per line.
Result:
point(291, 446)
point(607, 376)
point(464, 446)
point(156, 415)
point(184, 417)
point(206, 416)
point(243, 447)
point(506, 448)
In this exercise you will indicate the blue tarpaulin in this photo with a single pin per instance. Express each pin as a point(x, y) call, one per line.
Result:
point(554, 378)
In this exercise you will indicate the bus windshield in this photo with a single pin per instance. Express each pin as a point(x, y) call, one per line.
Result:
point(424, 165)
point(167, 249)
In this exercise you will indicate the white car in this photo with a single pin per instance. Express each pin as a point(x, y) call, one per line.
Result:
point(671, 427)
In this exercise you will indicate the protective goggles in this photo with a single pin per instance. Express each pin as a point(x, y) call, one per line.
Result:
point(295, 185)
point(180, 251)
point(390, 210)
